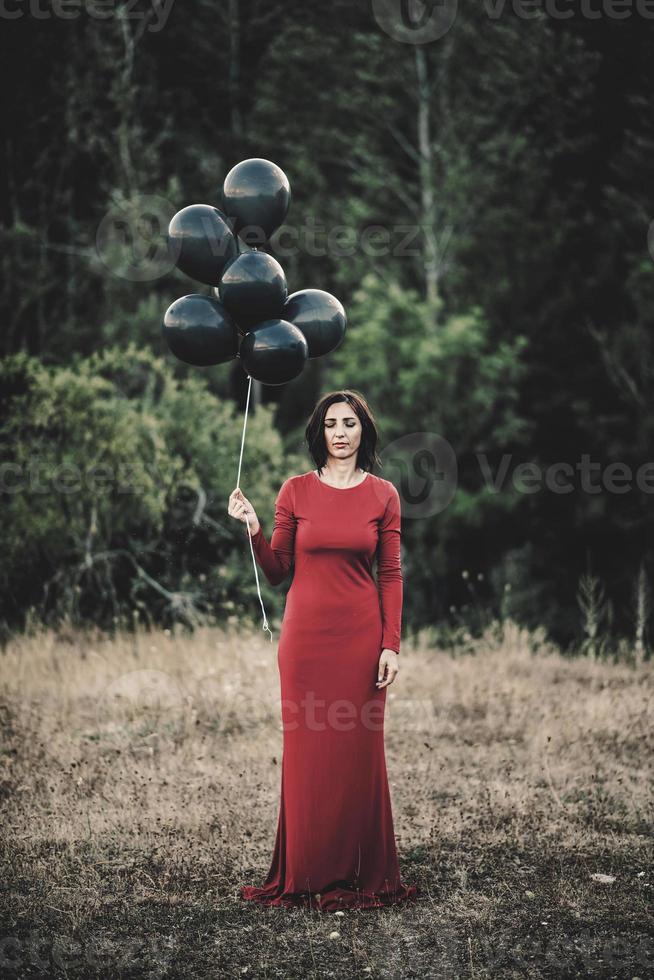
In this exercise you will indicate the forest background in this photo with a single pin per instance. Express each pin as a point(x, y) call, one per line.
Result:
point(482, 206)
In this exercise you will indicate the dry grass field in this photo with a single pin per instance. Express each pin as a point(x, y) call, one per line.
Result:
point(139, 784)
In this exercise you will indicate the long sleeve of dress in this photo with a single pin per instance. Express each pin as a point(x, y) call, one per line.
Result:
point(389, 572)
point(276, 557)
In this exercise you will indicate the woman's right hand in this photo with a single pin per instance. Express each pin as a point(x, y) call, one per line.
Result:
point(242, 510)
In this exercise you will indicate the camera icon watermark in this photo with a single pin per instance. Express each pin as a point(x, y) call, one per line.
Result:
point(415, 21)
point(423, 468)
point(132, 239)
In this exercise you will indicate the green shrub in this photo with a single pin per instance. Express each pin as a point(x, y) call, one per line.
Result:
point(114, 477)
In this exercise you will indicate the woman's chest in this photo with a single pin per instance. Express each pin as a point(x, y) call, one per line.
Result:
point(337, 527)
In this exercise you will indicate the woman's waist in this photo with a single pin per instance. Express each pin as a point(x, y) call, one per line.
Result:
point(325, 599)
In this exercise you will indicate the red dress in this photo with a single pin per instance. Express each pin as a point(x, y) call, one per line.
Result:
point(335, 846)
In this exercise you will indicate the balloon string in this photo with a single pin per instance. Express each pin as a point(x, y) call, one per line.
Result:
point(247, 520)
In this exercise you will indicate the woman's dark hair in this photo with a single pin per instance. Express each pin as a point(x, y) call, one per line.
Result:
point(315, 430)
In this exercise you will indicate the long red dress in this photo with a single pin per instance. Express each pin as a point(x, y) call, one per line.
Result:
point(335, 846)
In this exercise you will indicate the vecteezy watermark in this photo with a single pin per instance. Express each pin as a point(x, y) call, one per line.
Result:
point(132, 238)
point(423, 21)
point(319, 240)
point(157, 699)
point(42, 955)
point(565, 9)
point(415, 21)
point(43, 477)
point(156, 12)
point(530, 477)
point(244, 712)
point(592, 953)
point(318, 714)
point(423, 468)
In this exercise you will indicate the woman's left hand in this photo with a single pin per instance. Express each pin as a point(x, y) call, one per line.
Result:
point(388, 668)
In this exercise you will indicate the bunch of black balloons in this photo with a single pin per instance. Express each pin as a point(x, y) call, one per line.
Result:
point(250, 315)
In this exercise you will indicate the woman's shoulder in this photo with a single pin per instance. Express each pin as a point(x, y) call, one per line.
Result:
point(387, 486)
point(299, 478)
point(291, 483)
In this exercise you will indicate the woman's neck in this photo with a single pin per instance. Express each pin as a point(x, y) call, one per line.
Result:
point(340, 474)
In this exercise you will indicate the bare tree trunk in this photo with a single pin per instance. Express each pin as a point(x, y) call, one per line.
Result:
point(642, 612)
point(236, 125)
point(234, 80)
point(125, 104)
point(426, 171)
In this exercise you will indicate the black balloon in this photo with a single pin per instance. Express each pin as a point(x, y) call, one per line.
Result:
point(320, 317)
point(257, 196)
point(253, 288)
point(200, 331)
point(274, 352)
point(202, 242)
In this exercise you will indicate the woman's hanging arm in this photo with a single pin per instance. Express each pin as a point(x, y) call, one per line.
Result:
point(389, 572)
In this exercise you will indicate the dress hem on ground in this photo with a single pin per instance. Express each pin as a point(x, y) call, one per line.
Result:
point(331, 899)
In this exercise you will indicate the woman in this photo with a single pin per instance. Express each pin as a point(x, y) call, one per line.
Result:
point(338, 652)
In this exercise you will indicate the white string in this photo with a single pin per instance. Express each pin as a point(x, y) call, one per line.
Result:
point(247, 520)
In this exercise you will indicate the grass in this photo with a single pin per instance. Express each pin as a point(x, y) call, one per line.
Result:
point(139, 783)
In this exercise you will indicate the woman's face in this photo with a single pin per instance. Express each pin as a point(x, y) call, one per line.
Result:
point(343, 432)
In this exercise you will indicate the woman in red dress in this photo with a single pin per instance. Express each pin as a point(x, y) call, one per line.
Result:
point(338, 652)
